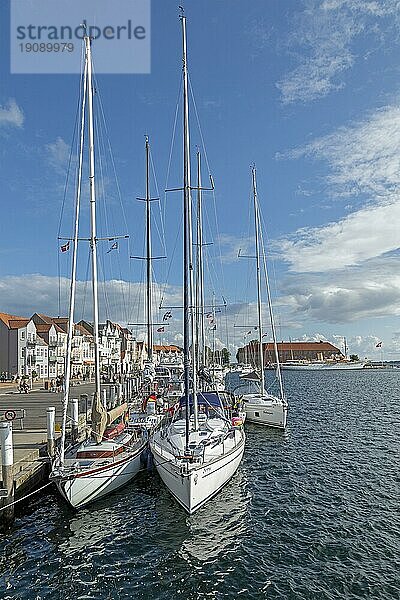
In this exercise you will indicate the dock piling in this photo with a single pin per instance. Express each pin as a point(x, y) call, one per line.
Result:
point(50, 420)
point(7, 462)
point(104, 393)
point(75, 418)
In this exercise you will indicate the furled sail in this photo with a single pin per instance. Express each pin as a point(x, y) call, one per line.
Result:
point(113, 414)
point(99, 419)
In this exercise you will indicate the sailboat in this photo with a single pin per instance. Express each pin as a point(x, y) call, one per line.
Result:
point(262, 407)
point(87, 470)
point(198, 451)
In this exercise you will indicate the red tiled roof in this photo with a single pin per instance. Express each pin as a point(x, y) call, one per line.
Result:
point(43, 328)
point(46, 320)
point(18, 323)
point(167, 349)
point(5, 317)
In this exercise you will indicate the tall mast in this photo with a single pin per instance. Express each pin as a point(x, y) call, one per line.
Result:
point(257, 234)
point(200, 270)
point(148, 258)
point(273, 329)
point(93, 239)
point(72, 293)
point(188, 321)
point(213, 336)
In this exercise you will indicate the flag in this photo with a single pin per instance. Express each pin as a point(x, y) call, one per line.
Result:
point(379, 345)
point(213, 328)
point(65, 247)
point(209, 315)
point(167, 315)
point(160, 329)
point(113, 247)
point(264, 334)
point(249, 332)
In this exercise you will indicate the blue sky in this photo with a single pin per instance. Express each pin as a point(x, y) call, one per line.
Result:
point(308, 90)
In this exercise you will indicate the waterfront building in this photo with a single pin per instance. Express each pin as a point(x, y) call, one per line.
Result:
point(288, 351)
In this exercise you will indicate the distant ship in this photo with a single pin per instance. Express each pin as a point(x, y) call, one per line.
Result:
point(299, 365)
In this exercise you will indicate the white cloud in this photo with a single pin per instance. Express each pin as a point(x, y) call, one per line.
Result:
point(58, 154)
point(230, 246)
point(363, 159)
point(367, 292)
point(120, 301)
point(11, 115)
point(362, 235)
point(324, 33)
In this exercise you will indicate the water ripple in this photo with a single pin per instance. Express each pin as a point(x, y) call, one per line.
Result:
point(311, 514)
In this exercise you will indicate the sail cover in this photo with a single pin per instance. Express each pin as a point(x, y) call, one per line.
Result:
point(206, 398)
point(99, 418)
point(113, 414)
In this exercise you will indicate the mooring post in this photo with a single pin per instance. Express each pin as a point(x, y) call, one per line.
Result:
point(50, 420)
point(119, 391)
point(104, 394)
point(75, 418)
point(7, 462)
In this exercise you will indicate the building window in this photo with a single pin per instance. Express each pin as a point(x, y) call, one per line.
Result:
point(22, 335)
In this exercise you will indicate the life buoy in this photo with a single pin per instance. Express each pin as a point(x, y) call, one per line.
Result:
point(10, 415)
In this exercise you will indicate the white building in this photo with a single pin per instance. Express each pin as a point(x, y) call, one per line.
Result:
point(110, 349)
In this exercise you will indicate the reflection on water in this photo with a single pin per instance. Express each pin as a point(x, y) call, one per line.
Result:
point(311, 513)
point(218, 528)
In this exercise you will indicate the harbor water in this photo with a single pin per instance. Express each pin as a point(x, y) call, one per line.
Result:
point(312, 513)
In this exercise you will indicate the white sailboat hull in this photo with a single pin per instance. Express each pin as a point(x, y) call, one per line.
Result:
point(264, 410)
point(192, 486)
point(82, 488)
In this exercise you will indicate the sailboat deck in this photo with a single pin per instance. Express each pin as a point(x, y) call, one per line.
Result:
point(90, 455)
point(204, 444)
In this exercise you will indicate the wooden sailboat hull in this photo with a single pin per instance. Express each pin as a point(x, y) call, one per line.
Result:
point(85, 487)
point(192, 486)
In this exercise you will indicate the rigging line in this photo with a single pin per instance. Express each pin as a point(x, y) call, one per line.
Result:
point(69, 166)
point(177, 237)
point(27, 496)
point(59, 279)
point(106, 149)
point(67, 177)
point(103, 285)
point(110, 227)
point(272, 265)
point(85, 286)
point(107, 137)
point(167, 268)
point(101, 208)
point(209, 172)
point(162, 234)
point(178, 103)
